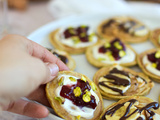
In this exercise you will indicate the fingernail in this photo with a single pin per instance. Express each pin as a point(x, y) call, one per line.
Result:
point(54, 69)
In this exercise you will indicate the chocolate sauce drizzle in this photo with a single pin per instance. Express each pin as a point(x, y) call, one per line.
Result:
point(124, 26)
point(116, 80)
point(142, 79)
point(114, 89)
point(115, 108)
point(147, 108)
point(115, 70)
point(107, 25)
point(140, 118)
point(126, 115)
point(61, 57)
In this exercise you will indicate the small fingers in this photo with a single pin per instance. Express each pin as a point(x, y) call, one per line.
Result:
point(40, 52)
point(20, 43)
point(28, 108)
point(53, 70)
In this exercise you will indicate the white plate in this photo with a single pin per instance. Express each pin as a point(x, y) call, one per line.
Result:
point(82, 66)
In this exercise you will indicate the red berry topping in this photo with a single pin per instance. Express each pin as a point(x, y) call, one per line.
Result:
point(115, 47)
point(80, 32)
point(151, 57)
point(67, 91)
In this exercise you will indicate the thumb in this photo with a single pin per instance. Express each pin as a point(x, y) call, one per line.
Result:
point(53, 69)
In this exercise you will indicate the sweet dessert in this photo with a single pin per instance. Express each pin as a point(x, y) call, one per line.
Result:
point(149, 62)
point(73, 40)
point(126, 28)
point(132, 108)
point(109, 53)
point(74, 97)
point(117, 82)
point(155, 37)
point(65, 58)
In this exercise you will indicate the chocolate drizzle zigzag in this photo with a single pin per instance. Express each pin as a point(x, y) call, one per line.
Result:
point(149, 116)
point(116, 80)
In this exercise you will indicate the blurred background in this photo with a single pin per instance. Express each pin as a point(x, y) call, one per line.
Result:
point(24, 16)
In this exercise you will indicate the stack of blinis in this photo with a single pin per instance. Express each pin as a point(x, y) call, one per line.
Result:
point(74, 96)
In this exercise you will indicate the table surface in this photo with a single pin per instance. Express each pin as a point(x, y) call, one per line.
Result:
point(34, 16)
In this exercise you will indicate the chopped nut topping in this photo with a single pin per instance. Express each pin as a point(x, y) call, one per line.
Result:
point(72, 79)
point(107, 45)
point(101, 59)
point(93, 86)
point(72, 31)
point(157, 55)
point(78, 117)
point(83, 26)
point(83, 34)
point(70, 27)
point(154, 65)
point(111, 58)
point(108, 53)
point(117, 45)
point(91, 37)
point(60, 82)
point(77, 91)
point(86, 98)
point(86, 90)
point(59, 99)
point(76, 40)
point(92, 34)
point(122, 53)
point(88, 93)
point(83, 78)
